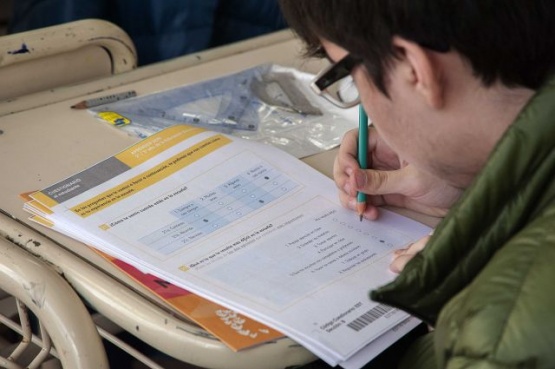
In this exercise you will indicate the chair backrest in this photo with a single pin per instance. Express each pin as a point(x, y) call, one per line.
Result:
point(62, 55)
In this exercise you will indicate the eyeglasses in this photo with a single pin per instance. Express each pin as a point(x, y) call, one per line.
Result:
point(336, 85)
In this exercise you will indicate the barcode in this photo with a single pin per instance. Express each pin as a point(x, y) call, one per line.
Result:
point(368, 317)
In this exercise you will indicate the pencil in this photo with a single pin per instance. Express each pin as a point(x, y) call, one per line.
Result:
point(362, 155)
point(85, 104)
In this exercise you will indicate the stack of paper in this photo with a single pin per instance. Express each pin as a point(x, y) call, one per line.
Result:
point(244, 225)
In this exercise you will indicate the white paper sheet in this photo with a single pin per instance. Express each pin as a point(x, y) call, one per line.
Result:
point(245, 225)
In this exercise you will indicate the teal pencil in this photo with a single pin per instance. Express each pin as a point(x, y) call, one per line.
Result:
point(362, 155)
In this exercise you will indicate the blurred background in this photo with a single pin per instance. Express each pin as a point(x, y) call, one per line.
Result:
point(160, 29)
point(5, 13)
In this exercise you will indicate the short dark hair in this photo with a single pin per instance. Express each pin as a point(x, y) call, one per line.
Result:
point(512, 41)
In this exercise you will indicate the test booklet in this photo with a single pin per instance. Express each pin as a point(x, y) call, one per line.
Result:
point(244, 225)
point(236, 331)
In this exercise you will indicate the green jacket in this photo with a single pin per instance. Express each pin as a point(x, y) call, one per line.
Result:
point(486, 279)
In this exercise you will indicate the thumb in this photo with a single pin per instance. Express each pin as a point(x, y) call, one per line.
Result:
point(382, 182)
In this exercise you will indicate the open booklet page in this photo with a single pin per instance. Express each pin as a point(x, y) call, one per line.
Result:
point(243, 224)
point(237, 331)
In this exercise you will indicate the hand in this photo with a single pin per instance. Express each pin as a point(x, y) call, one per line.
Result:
point(402, 256)
point(389, 181)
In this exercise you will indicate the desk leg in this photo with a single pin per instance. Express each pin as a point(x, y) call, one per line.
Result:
point(58, 308)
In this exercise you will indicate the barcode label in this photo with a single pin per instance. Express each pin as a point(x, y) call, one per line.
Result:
point(368, 317)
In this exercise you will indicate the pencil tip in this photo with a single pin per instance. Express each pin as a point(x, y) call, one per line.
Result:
point(360, 218)
point(79, 105)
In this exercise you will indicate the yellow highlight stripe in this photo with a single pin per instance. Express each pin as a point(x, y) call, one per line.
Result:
point(44, 199)
point(42, 221)
point(31, 202)
point(152, 176)
point(155, 144)
point(39, 207)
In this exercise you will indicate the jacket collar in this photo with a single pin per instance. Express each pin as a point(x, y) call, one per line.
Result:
point(516, 184)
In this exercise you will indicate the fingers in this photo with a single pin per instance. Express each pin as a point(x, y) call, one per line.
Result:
point(342, 174)
point(381, 188)
point(350, 179)
point(402, 256)
point(384, 182)
point(346, 161)
point(350, 202)
point(389, 181)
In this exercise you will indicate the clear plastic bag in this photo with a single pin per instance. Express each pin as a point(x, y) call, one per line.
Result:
point(267, 103)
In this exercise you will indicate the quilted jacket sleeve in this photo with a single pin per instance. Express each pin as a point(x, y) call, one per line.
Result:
point(505, 318)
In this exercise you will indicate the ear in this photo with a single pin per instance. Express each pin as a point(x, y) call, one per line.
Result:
point(422, 71)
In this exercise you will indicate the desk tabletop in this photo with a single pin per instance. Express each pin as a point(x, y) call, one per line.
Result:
point(50, 141)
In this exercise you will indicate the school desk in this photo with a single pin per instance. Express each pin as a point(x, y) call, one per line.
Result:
point(42, 140)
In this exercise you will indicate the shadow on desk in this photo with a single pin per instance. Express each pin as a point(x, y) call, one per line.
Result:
point(119, 359)
point(387, 360)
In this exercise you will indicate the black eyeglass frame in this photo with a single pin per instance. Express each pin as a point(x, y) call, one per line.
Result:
point(333, 73)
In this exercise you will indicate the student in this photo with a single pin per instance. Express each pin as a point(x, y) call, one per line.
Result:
point(462, 99)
